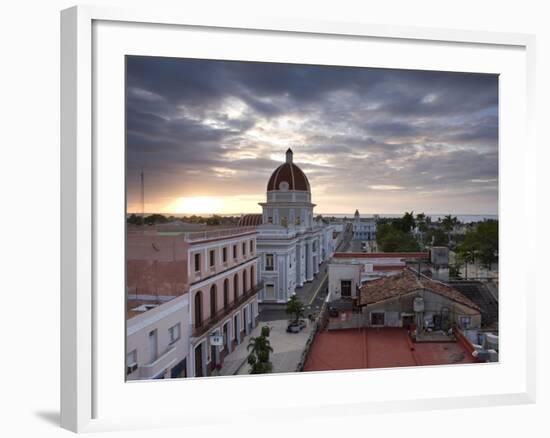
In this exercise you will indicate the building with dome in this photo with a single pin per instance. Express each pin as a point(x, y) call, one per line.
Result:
point(291, 244)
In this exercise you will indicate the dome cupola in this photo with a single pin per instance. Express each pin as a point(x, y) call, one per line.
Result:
point(288, 176)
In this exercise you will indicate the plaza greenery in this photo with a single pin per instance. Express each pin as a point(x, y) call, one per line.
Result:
point(295, 307)
point(480, 244)
point(260, 349)
point(395, 235)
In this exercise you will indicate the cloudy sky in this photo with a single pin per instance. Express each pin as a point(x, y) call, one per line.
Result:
point(208, 135)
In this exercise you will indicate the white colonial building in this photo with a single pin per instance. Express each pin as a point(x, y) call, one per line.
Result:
point(291, 243)
point(363, 229)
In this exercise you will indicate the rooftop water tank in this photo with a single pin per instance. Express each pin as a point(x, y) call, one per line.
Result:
point(418, 304)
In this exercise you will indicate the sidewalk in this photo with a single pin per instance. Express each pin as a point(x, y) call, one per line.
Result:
point(287, 349)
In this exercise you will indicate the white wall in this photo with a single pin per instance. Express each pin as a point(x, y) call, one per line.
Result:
point(161, 318)
point(343, 271)
point(29, 186)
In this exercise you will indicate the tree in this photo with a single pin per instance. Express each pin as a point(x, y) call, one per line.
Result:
point(392, 239)
point(435, 237)
point(295, 307)
point(481, 243)
point(408, 221)
point(421, 222)
point(155, 219)
point(258, 358)
point(448, 223)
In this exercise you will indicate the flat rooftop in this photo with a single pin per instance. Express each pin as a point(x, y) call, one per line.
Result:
point(379, 348)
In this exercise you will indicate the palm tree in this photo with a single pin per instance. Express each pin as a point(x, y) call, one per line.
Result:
point(408, 221)
point(295, 307)
point(258, 358)
point(449, 222)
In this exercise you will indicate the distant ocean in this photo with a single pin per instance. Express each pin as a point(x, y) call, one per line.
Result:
point(464, 218)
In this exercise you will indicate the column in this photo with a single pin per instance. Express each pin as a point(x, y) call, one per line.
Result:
point(309, 261)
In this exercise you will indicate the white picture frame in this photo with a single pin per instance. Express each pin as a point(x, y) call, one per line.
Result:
point(84, 371)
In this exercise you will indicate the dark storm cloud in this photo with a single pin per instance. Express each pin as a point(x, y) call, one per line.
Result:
point(216, 125)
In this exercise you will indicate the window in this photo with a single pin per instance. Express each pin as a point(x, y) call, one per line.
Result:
point(377, 318)
point(212, 258)
point(198, 309)
point(345, 287)
point(269, 292)
point(314, 245)
point(251, 246)
point(252, 279)
point(298, 220)
point(270, 220)
point(234, 251)
point(269, 262)
point(224, 254)
point(235, 287)
point(174, 333)
point(284, 222)
point(244, 248)
point(245, 286)
point(131, 362)
point(464, 321)
point(226, 293)
point(197, 262)
point(213, 299)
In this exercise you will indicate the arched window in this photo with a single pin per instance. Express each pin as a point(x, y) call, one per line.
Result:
point(245, 288)
point(198, 309)
point(225, 293)
point(213, 304)
point(252, 277)
point(235, 287)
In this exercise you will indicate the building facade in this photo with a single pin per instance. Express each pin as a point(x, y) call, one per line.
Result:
point(291, 243)
point(348, 271)
point(223, 293)
point(363, 229)
point(191, 298)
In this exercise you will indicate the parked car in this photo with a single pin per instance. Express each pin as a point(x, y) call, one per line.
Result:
point(295, 327)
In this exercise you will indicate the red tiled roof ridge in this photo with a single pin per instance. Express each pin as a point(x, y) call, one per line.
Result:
point(250, 220)
point(421, 281)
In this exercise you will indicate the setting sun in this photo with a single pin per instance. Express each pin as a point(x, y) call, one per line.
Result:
point(197, 205)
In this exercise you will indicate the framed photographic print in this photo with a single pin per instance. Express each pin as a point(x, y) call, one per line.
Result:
point(317, 208)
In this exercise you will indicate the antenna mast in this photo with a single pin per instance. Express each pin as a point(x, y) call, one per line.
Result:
point(142, 198)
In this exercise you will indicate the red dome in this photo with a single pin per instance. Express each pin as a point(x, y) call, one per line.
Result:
point(288, 176)
point(247, 220)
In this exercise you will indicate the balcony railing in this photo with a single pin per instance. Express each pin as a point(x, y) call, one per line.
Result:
point(212, 320)
point(162, 361)
point(195, 236)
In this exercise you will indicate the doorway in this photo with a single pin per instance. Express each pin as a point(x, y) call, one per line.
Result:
point(198, 361)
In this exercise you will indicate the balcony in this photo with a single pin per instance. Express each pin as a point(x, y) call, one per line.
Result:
point(162, 362)
point(211, 321)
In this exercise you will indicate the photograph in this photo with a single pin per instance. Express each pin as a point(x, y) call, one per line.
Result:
point(285, 218)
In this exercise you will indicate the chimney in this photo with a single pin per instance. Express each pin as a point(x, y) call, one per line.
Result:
point(289, 155)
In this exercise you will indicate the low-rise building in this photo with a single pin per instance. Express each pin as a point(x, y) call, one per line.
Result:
point(347, 271)
point(157, 337)
point(410, 298)
point(192, 296)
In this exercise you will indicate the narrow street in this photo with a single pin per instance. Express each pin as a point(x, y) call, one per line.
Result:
point(312, 294)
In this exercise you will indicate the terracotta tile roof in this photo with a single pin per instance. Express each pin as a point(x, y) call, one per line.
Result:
point(382, 255)
point(250, 220)
point(405, 283)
